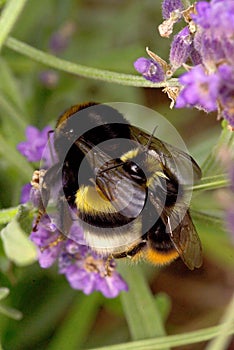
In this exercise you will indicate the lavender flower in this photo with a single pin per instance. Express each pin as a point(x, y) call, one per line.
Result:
point(169, 6)
point(213, 41)
point(60, 39)
point(25, 193)
point(34, 147)
point(83, 268)
point(181, 48)
point(49, 78)
point(207, 40)
point(150, 69)
point(199, 89)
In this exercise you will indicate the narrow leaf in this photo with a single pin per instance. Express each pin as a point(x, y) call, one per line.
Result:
point(10, 312)
point(141, 311)
point(4, 292)
point(162, 343)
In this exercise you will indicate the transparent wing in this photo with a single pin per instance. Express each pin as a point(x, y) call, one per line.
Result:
point(186, 240)
point(180, 164)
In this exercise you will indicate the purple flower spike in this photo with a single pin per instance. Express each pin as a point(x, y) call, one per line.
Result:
point(88, 273)
point(150, 69)
point(25, 193)
point(169, 6)
point(111, 285)
point(226, 92)
point(202, 18)
point(48, 244)
point(180, 48)
point(83, 268)
point(33, 148)
point(200, 90)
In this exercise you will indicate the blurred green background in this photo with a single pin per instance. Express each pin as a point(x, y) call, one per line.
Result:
point(106, 34)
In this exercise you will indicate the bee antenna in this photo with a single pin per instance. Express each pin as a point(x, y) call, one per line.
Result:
point(151, 137)
point(111, 167)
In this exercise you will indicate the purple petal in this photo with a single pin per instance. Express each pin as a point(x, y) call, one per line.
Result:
point(25, 193)
point(150, 69)
point(199, 89)
point(81, 279)
point(33, 148)
point(111, 286)
point(169, 6)
point(180, 48)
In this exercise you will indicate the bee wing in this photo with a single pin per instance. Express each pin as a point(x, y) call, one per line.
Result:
point(186, 240)
point(182, 231)
point(180, 164)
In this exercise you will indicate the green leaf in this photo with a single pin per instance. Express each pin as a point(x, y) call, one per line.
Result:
point(9, 87)
point(7, 311)
point(223, 339)
point(4, 292)
point(25, 217)
point(15, 159)
point(212, 232)
point(162, 343)
point(83, 315)
point(10, 312)
point(6, 215)
point(212, 165)
point(17, 245)
point(163, 303)
point(141, 311)
point(9, 16)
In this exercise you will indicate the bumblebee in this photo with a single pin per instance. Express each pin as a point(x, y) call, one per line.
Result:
point(126, 188)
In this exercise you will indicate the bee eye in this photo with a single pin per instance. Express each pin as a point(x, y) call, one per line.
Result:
point(70, 133)
point(135, 172)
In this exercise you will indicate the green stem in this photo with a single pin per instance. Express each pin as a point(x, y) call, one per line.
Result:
point(83, 71)
point(211, 218)
point(142, 315)
point(211, 183)
point(171, 340)
point(223, 339)
point(12, 113)
point(9, 16)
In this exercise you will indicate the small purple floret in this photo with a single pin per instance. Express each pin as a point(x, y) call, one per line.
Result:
point(181, 48)
point(150, 69)
point(33, 148)
point(83, 268)
point(200, 90)
point(169, 6)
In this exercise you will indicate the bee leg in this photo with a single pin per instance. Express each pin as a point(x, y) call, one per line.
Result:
point(108, 267)
point(38, 184)
point(40, 213)
point(65, 217)
point(54, 243)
